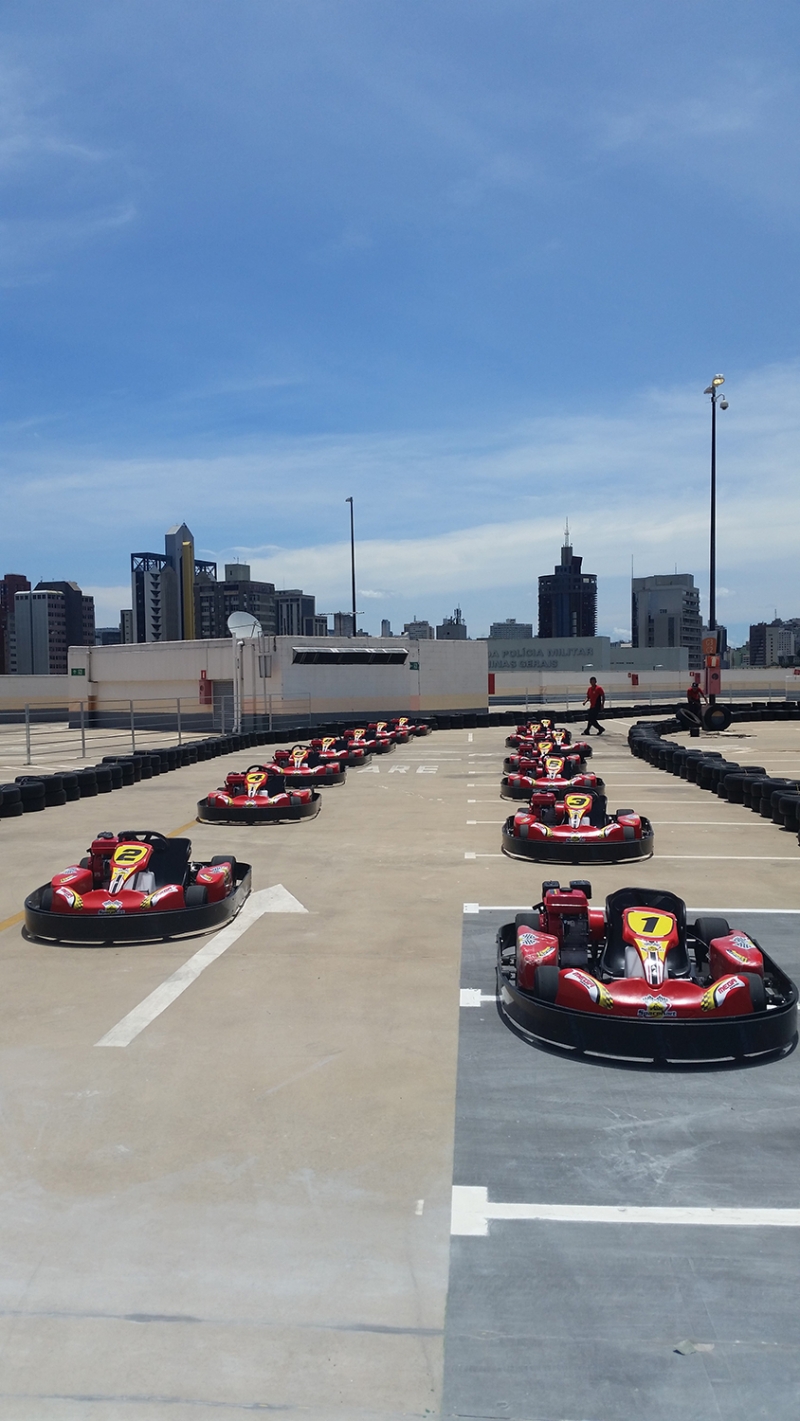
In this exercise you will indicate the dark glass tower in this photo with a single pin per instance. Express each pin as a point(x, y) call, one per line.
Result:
point(568, 599)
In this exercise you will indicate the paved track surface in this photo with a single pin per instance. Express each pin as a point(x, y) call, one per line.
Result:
point(247, 1208)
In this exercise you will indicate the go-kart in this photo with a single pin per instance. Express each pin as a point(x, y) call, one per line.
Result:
point(576, 829)
point(635, 980)
point(554, 778)
point(412, 727)
point(302, 766)
point(337, 748)
point(532, 761)
point(381, 732)
point(257, 796)
point(136, 886)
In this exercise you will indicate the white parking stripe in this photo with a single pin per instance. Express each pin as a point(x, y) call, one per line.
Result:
point(472, 1212)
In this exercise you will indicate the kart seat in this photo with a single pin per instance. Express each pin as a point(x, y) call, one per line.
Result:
point(169, 861)
point(613, 957)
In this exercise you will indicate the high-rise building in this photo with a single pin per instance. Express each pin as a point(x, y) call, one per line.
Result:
point(568, 598)
point(774, 643)
point(40, 634)
point(452, 628)
point(343, 624)
point(126, 626)
point(107, 636)
point(511, 630)
point(386, 627)
point(12, 583)
point(215, 601)
point(163, 588)
point(296, 613)
point(419, 631)
point(78, 611)
point(665, 611)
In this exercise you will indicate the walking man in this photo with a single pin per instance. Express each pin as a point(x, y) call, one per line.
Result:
point(596, 698)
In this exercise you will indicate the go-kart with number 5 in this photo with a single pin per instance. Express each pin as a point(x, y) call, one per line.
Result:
point(135, 886)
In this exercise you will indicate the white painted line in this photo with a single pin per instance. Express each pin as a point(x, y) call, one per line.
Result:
point(723, 823)
point(736, 858)
point(520, 907)
point(267, 900)
point(472, 1212)
point(470, 856)
point(420, 1204)
point(470, 738)
point(472, 801)
point(473, 997)
point(486, 821)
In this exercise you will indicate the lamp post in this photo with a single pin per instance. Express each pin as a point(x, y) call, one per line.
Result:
point(352, 562)
point(715, 391)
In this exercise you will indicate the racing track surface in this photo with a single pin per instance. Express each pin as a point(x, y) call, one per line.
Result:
point(246, 1208)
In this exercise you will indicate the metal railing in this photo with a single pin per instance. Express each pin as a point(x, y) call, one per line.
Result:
point(265, 712)
point(42, 734)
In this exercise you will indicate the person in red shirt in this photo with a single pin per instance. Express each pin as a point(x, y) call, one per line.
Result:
point(694, 696)
point(595, 697)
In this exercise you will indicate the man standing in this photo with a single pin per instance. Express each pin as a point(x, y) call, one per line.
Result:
point(596, 698)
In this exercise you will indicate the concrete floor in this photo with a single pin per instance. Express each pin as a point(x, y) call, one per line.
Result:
point(247, 1208)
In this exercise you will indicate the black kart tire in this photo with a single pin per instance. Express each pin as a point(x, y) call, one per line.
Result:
point(47, 898)
point(87, 784)
point(225, 858)
point(758, 994)
point(196, 895)
point(85, 863)
point(54, 792)
point(532, 919)
point(545, 983)
point(708, 928)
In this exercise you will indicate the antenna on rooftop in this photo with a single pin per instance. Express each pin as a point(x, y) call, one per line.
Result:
point(566, 533)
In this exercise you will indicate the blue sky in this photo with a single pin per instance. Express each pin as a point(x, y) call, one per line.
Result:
point(473, 263)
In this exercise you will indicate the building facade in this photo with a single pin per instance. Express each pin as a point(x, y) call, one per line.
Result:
point(78, 611)
point(12, 583)
point(774, 643)
point(568, 598)
point(215, 601)
point(452, 628)
point(419, 631)
point(40, 634)
point(163, 587)
point(511, 629)
point(665, 611)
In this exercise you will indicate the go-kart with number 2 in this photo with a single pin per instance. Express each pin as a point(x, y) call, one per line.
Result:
point(257, 795)
point(576, 829)
point(135, 886)
point(635, 980)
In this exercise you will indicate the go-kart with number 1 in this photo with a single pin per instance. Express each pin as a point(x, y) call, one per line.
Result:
point(576, 829)
point(135, 886)
point(634, 979)
point(257, 795)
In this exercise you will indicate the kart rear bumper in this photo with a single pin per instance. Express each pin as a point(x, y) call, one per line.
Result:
point(98, 931)
point(508, 791)
point(265, 814)
point(295, 781)
point(568, 851)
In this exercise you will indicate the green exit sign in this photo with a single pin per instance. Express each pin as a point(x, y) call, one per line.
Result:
point(78, 671)
point(413, 665)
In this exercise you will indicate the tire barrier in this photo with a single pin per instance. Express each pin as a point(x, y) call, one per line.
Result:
point(769, 797)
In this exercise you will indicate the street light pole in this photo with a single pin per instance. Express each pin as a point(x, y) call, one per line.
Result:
point(352, 563)
point(715, 391)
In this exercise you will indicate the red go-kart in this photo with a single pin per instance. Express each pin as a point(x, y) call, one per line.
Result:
point(303, 766)
point(257, 796)
point(337, 748)
point(555, 776)
point(576, 829)
point(136, 886)
point(635, 980)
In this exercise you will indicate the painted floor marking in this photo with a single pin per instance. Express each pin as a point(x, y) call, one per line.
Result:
point(472, 1212)
point(267, 900)
point(520, 907)
point(9, 922)
point(483, 856)
point(473, 997)
point(470, 738)
point(736, 858)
